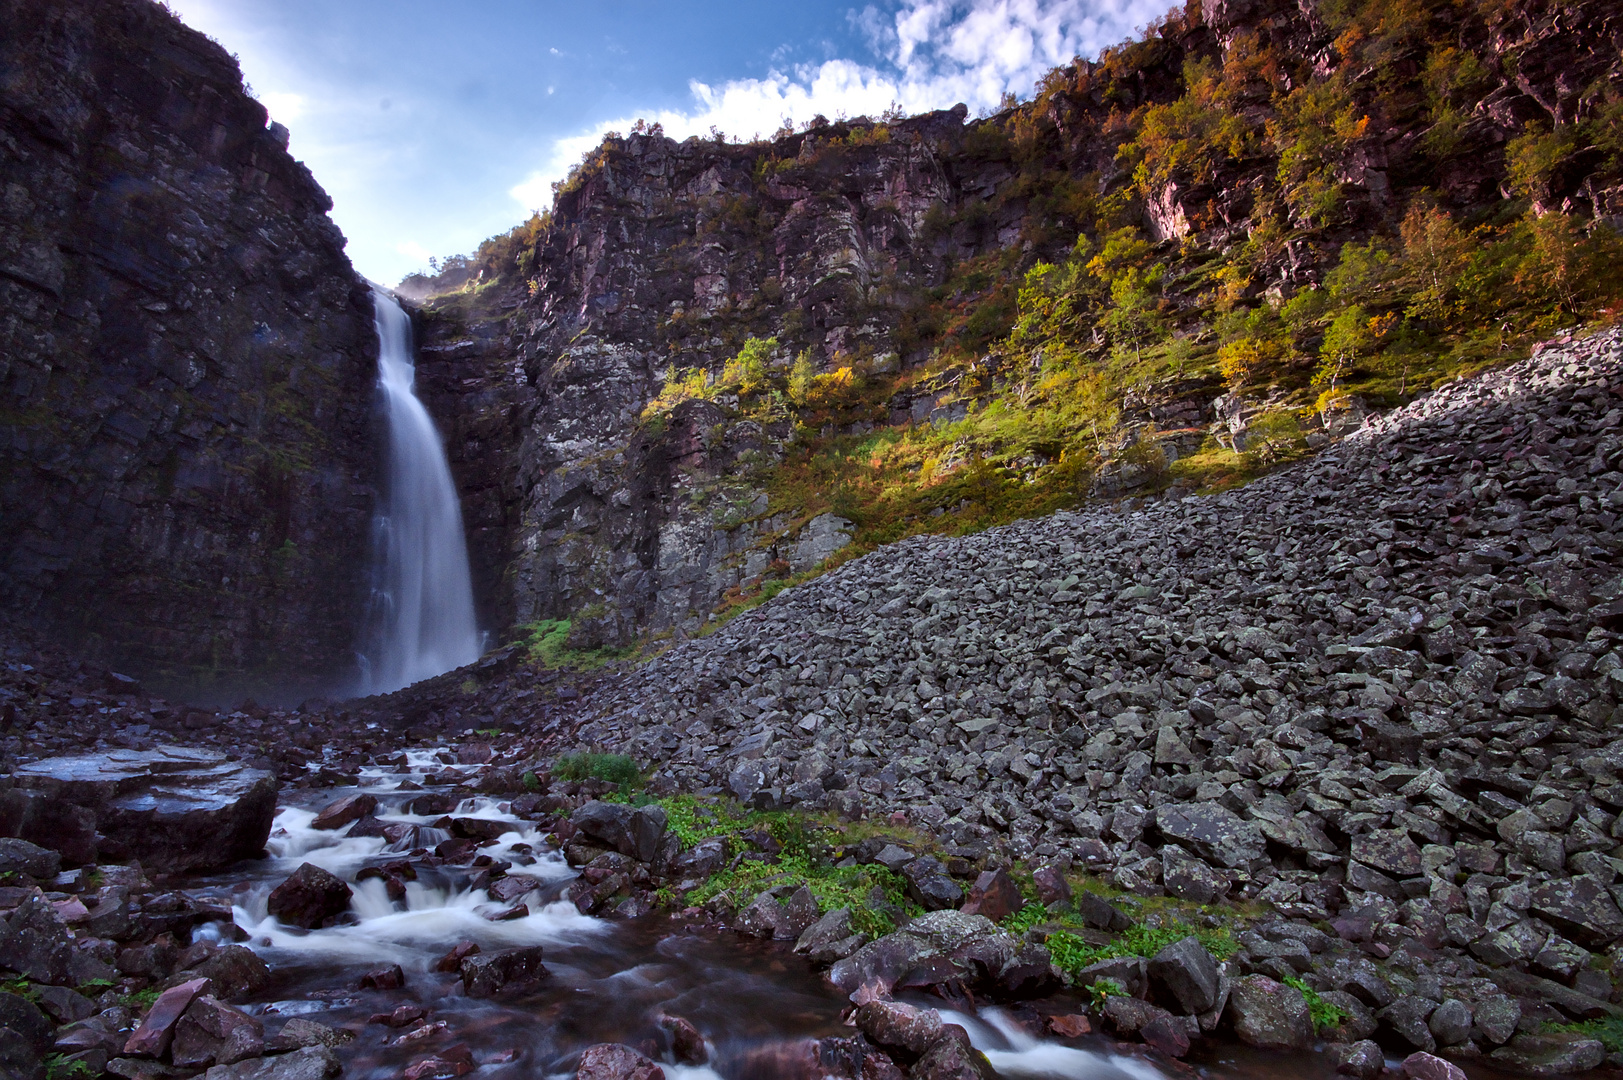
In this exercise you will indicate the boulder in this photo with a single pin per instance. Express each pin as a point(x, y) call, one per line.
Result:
point(1423, 1066)
point(1362, 1060)
point(350, 808)
point(35, 942)
point(157, 1028)
point(236, 971)
point(173, 809)
point(687, 1045)
point(830, 938)
point(506, 971)
point(1268, 1015)
point(1390, 851)
point(1100, 913)
point(213, 1033)
point(633, 831)
point(1581, 908)
point(1551, 1055)
point(1213, 831)
point(21, 857)
point(1167, 1034)
point(898, 1025)
point(308, 1063)
point(613, 1061)
point(1052, 888)
point(1191, 879)
point(49, 822)
point(309, 897)
point(994, 895)
point(1185, 972)
point(300, 1032)
point(1450, 1022)
point(929, 884)
point(796, 914)
point(951, 1057)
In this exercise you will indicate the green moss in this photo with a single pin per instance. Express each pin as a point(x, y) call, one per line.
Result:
point(1608, 1029)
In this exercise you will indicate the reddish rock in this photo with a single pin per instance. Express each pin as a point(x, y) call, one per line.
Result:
point(687, 1045)
point(386, 978)
point(309, 897)
point(994, 895)
point(157, 1029)
point(213, 1033)
point(1073, 1026)
point(403, 1016)
point(613, 1061)
point(452, 961)
point(1052, 888)
point(1423, 1066)
point(1167, 1034)
point(350, 808)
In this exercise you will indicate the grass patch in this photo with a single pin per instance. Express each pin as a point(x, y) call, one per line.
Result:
point(612, 768)
point(548, 644)
point(1071, 954)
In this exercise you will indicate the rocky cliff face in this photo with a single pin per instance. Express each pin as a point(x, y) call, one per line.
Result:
point(882, 247)
point(186, 358)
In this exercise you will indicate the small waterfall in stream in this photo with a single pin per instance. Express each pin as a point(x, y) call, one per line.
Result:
point(422, 601)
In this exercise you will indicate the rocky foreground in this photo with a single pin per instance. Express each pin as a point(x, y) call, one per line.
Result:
point(1374, 697)
point(1377, 692)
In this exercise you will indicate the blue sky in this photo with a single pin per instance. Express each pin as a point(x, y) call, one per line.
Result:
point(435, 125)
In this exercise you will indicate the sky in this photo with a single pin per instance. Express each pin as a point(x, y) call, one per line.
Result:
point(436, 125)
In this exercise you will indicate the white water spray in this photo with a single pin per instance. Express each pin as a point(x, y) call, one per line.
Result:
point(423, 601)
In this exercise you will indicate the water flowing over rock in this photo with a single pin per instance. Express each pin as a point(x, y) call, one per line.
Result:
point(423, 600)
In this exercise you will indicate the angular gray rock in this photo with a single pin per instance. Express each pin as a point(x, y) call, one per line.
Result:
point(1186, 973)
point(1268, 1015)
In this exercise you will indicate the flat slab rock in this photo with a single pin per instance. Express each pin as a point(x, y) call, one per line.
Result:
point(172, 808)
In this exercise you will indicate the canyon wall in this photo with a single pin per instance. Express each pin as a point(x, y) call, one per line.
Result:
point(187, 360)
point(843, 241)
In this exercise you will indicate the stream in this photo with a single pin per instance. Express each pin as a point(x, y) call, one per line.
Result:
point(756, 1003)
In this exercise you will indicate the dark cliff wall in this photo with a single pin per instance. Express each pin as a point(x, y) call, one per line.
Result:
point(186, 359)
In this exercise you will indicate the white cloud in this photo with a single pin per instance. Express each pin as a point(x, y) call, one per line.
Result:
point(285, 107)
point(411, 249)
point(935, 53)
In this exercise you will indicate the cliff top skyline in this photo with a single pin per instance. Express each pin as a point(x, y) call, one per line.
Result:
point(433, 129)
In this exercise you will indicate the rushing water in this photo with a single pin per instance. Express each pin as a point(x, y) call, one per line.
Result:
point(755, 1002)
point(423, 620)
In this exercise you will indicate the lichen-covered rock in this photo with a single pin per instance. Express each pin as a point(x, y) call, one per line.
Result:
point(1269, 1015)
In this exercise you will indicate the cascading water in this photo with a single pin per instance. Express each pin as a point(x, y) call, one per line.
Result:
point(423, 622)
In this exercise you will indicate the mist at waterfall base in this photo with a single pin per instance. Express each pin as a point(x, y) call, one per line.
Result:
point(421, 621)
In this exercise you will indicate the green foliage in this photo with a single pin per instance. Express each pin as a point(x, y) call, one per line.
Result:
point(1323, 1014)
point(1608, 1029)
point(1071, 954)
point(58, 1067)
point(800, 378)
point(1024, 919)
point(691, 820)
point(548, 644)
point(1102, 990)
point(747, 370)
point(805, 860)
point(614, 768)
point(141, 1000)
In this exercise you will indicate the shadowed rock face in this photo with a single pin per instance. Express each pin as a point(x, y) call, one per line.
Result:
point(186, 358)
point(173, 809)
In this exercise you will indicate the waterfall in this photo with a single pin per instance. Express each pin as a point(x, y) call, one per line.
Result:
point(422, 600)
